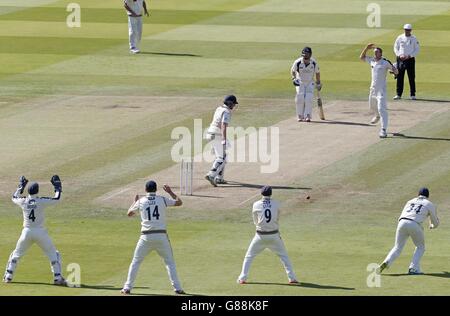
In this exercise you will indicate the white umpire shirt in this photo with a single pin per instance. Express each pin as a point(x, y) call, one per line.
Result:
point(418, 209)
point(406, 45)
point(136, 5)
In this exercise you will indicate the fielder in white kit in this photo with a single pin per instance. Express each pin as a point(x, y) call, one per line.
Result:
point(152, 208)
point(34, 230)
point(134, 10)
point(265, 216)
point(303, 70)
point(217, 133)
point(377, 94)
point(410, 222)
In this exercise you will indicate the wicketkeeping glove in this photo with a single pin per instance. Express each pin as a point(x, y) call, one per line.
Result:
point(22, 183)
point(56, 181)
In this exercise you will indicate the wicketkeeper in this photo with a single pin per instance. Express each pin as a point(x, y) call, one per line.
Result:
point(33, 228)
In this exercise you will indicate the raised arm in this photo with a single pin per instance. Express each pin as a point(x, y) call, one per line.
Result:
point(178, 201)
point(363, 53)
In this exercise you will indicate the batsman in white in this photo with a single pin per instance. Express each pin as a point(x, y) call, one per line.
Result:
point(377, 94)
point(33, 228)
point(134, 10)
point(152, 208)
point(265, 216)
point(303, 70)
point(217, 133)
point(410, 225)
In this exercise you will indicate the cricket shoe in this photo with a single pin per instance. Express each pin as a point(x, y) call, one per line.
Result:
point(382, 133)
point(293, 282)
point(7, 278)
point(220, 181)
point(412, 271)
point(397, 97)
point(135, 51)
point(241, 281)
point(125, 291)
point(300, 118)
point(307, 119)
point(381, 267)
point(375, 120)
point(179, 292)
point(61, 282)
point(211, 180)
point(413, 97)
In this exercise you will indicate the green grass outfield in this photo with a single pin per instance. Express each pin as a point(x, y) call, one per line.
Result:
point(56, 89)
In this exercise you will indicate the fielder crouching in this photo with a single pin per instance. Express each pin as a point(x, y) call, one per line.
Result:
point(33, 228)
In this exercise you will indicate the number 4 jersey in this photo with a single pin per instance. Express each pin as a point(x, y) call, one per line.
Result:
point(153, 211)
point(265, 214)
point(33, 208)
point(418, 209)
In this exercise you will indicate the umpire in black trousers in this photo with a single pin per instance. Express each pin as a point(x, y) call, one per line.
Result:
point(406, 48)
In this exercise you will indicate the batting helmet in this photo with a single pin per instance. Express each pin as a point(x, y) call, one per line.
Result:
point(150, 186)
point(33, 188)
point(230, 101)
point(306, 50)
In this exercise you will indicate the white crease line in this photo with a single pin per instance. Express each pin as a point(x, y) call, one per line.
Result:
point(251, 198)
point(114, 194)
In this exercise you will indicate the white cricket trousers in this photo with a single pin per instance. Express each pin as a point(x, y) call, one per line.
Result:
point(304, 99)
point(407, 229)
point(276, 245)
point(39, 236)
point(378, 104)
point(135, 31)
point(218, 166)
point(159, 242)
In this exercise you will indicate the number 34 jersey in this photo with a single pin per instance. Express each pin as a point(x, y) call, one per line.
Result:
point(418, 209)
point(265, 214)
point(153, 211)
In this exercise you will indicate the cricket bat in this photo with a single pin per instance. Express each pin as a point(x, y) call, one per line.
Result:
point(319, 105)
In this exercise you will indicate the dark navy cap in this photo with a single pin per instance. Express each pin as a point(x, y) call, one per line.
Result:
point(33, 188)
point(424, 192)
point(266, 190)
point(230, 98)
point(150, 186)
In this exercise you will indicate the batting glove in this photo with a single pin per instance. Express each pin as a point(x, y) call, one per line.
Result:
point(318, 86)
point(296, 82)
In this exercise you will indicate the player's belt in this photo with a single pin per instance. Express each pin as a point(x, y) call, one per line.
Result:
point(408, 219)
point(267, 233)
point(158, 231)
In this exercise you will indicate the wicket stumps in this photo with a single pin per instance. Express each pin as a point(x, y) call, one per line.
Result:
point(186, 177)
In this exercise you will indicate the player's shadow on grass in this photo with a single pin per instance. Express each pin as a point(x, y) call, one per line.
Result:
point(341, 123)
point(431, 100)
point(444, 274)
point(232, 184)
point(171, 54)
point(307, 285)
point(400, 135)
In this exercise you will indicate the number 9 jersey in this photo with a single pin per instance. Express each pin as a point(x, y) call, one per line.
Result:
point(152, 208)
point(265, 214)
